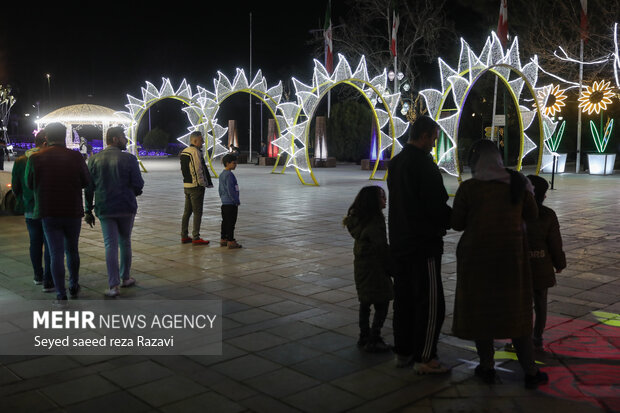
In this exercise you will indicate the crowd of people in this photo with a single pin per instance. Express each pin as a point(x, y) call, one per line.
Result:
point(506, 257)
point(49, 182)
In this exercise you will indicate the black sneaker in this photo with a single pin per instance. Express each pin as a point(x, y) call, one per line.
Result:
point(377, 345)
point(362, 341)
point(532, 382)
point(48, 288)
point(487, 375)
point(73, 291)
point(61, 302)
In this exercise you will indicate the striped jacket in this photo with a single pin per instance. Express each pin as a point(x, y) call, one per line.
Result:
point(194, 169)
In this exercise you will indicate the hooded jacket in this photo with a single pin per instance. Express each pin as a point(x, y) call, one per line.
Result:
point(371, 259)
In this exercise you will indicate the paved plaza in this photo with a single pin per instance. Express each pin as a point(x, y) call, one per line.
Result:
point(290, 310)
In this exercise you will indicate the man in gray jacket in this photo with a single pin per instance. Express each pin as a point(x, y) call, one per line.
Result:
point(116, 181)
point(195, 179)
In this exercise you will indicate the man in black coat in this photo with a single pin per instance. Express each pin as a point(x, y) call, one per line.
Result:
point(418, 219)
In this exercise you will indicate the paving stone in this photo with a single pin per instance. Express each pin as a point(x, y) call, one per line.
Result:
point(290, 308)
point(136, 373)
point(256, 341)
point(167, 390)
point(79, 390)
point(369, 384)
point(31, 401)
point(119, 402)
point(326, 367)
point(211, 401)
point(323, 398)
point(43, 365)
point(289, 353)
point(283, 382)
point(245, 367)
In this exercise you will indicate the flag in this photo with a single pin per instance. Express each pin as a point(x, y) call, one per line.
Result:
point(584, 19)
point(329, 45)
point(502, 24)
point(395, 22)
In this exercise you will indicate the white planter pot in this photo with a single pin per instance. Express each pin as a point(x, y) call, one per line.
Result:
point(601, 163)
point(547, 161)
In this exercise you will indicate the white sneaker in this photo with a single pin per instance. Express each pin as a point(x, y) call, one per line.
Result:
point(430, 367)
point(128, 282)
point(113, 292)
point(403, 361)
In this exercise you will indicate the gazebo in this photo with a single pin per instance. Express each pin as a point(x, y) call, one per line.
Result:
point(84, 114)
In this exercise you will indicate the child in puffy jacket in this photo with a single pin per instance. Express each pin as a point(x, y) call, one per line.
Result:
point(366, 224)
point(546, 254)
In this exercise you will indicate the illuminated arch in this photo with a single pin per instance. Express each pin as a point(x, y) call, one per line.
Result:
point(294, 138)
point(210, 102)
point(461, 81)
point(151, 95)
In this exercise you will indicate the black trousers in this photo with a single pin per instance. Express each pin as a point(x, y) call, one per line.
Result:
point(524, 349)
point(381, 311)
point(419, 306)
point(229, 220)
point(540, 309)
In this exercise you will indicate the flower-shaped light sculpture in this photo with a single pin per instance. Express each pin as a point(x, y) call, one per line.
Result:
point(553, 98)
point(457, 83)
point(596, 97)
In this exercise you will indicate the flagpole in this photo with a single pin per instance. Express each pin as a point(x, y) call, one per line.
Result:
point(578, 160)
point(493, 114)
point(250, 77)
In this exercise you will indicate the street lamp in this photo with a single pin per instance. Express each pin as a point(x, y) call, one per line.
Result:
point(49, 87)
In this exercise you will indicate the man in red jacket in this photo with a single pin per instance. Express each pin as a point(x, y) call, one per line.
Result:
point(57, 176)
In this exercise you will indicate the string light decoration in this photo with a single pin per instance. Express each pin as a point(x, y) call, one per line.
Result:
point(138, 107)
point(616, 56)
point(457, 83)
point(556, 138)
point(596, 97)
point(210, 103)
point(601, 142)
point(201, 108)
point(553, 98)
point(294, 138)
point(292, 118)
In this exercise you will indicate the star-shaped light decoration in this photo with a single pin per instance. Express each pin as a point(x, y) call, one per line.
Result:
point(457, 83)
point(223, 89)
point(294, 138)
point(596, 97)
point(137, 107)
point(551, 99)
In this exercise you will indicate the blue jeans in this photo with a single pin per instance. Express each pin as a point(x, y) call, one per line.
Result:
point(37, 256)
point(63, 235)
point(117, 235)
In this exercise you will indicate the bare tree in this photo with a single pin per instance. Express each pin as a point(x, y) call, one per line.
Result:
point(367, 30)
point(545, 26)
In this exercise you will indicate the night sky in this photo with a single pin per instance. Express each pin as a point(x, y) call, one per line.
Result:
point(99, 56)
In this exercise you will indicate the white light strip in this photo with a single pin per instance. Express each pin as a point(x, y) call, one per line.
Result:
point(566, 58)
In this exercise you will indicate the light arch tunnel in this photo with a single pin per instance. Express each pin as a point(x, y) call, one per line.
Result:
point(202, 107)
point(459, 83)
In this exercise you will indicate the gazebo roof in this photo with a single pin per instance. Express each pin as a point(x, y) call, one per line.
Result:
point(84, 114)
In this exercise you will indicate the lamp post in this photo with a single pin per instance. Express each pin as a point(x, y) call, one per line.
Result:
point(49, 87)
